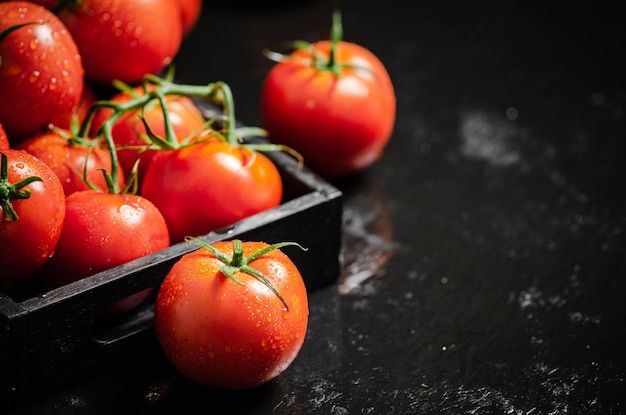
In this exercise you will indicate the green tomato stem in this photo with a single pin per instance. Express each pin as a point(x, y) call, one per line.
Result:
point(318, 61)
point(239, 262)
point(13, 191)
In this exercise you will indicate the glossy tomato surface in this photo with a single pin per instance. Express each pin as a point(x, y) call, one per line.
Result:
point(103, 230)
point(124, 39)
point(340, 123)
point(41, 75)
point(206, 186)
point(27, 242)
point(129, 131)
point(225, 335)
point(68, 159)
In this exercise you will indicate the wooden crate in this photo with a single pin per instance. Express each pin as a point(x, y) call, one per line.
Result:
point(52, 339)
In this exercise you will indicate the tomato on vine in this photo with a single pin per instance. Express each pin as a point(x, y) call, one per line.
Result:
point(209, 185)
point(207, 180)
point(41, 71)
point(332, 101)
point(32, 211)
point(76, 161)
point(129, 131)
point(232, 315)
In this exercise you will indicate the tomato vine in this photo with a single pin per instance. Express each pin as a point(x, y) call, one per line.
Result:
point(156, 89)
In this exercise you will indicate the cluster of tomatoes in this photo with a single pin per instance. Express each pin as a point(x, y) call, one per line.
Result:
point(89, 159)
point(90, 182)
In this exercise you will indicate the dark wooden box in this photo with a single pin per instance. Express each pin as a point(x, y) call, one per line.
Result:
point(51, 339)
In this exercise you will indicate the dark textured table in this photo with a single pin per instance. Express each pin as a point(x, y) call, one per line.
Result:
point(484, 255)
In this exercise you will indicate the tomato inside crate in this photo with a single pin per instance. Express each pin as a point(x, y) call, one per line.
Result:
point(52, 339)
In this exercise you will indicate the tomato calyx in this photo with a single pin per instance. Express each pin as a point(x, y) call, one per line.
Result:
point(12, 191)
point(239, 262)
point(317, 60)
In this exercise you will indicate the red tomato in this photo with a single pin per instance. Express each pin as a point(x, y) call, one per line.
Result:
point(124, 39)
point(4, 140)
point(67, 158)
point(338, 115)
point(41, 75)
point(190, 11)
point(103, 230)
point(129, 130)
point(210, 184)
point(229, 335)
point(27, 239)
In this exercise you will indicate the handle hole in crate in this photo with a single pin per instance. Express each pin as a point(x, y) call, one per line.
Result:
point(107, 329)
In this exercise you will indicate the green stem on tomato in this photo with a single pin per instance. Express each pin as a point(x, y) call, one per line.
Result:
point(239, 262)
point(12, 191)
point(229, 112)
point(336, 35)
point(316, 60)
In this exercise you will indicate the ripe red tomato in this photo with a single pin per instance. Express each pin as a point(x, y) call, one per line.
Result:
point(67, 158)
point(210, 184)
point(124, 39)
point(190, 11)
point(41, 75)
point(129, 130)
point(229, 335)
point(31, 215)
point(103, 230)
point(4, 140)
point(337, 113)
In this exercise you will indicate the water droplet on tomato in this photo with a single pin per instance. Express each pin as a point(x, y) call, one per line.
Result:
point(34, 76)
point(44, 34)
